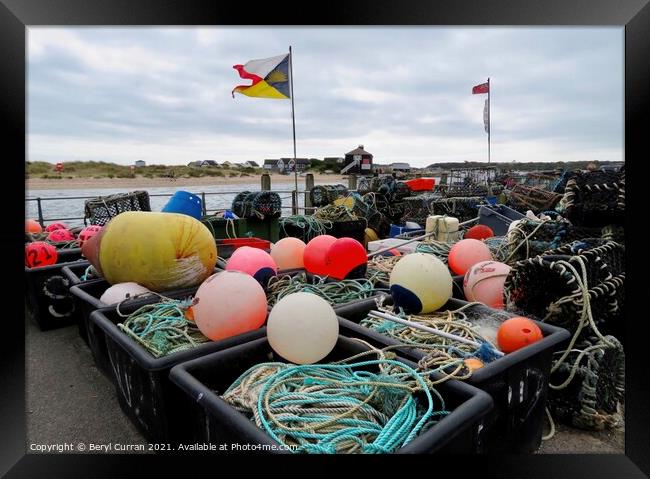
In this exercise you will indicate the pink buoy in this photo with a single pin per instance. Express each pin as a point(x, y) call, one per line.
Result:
point(227, 304)
point(288, 253)
point(484, 281)
point(57, 236)
point(253, 261)
point(466, 253)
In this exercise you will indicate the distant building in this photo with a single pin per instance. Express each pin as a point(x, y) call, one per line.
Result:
point(286, 165)
point(226, 164)
point(357, 161)
point(140, 163)
point(403, 167)
point(251, 164)
point(204, 163)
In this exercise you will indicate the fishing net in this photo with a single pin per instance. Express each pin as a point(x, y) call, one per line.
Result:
point(595, 198)
point(322, 195)
point(418, 208)
point(260, 204)
point(587, 388)
point(534, 198)
point(100, 210)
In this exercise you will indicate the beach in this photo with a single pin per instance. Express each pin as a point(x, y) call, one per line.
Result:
point(143, 183)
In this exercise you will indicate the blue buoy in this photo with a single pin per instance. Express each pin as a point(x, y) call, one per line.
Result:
point(185, 203)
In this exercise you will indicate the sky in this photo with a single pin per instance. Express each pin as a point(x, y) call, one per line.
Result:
point(163, 95)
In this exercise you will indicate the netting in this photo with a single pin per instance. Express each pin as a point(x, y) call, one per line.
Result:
point(259, 204)
point(595, 198)
point(418, 208)
point(534, 198)
point(322, 195)
point(100, 210)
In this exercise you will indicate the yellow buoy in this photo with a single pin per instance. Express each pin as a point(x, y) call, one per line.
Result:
point(160, 251)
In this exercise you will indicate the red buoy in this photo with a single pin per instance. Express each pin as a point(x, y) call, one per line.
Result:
point(516, 333)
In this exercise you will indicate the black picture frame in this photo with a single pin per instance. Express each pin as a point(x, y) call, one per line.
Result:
point(16, 15)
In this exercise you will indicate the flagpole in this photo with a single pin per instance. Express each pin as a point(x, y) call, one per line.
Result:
point(489, 126)
point(293, 121)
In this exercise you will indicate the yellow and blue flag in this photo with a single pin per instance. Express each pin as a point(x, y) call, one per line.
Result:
point(270, 78)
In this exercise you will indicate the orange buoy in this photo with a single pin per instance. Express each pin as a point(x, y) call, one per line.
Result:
point(473, 363)
point(33, 226)
point(346, 258)
point(315, 252)
point(516, 333)
point(479, 232)
point(56, 226)
point(40, 253)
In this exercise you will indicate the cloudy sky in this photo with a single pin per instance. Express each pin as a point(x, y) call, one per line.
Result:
point(163, 94)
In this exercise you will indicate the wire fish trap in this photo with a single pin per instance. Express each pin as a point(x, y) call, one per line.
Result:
point(587, 388)
point(595, 198)
point(100, 210)
point(334, 292)
point(260, 204)
point(322, 195)
point(459, 191)
point(418, 208)
point(529, 238)
point(569, 285)
point(534, 198)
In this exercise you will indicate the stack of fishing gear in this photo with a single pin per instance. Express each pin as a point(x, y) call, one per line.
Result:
point(322, 195)
point(459, 191)
point(100, 210)
point(324, 220)
point(595, 198)
point(579, 287)
point(534, 198)
point(260, 204)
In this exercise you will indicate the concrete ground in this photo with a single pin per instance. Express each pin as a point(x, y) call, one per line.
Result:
point(70, 401)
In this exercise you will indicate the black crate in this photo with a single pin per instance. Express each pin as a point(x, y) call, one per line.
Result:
point(517, 382)
point(74, 273)
point(340, 229)
point(144, 391)
point(47, 295)
point(216, 422)
point(87, 296)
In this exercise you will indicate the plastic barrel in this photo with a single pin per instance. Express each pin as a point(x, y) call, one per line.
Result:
point(185, 203)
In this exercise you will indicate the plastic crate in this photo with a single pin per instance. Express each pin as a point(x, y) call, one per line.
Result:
point(47, 295)
point(144, 391)
point(87, 297)
point(74, 273)
point(517, 382)
point(498, 218)
point(349, 229)
point(216, 422)
point(267, 228)
point(226, 247)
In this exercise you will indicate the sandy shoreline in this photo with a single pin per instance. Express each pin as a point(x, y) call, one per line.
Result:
point(143, 183)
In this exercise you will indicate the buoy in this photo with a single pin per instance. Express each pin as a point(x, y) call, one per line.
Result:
point(87, 233)
point(315, 252)
point(227, 304)
point(369, 235)
point(254, 261)
point(60, 235)
point(346, 258)
point(40, 253)
point(391, 252)
point(160, 251)
point(516, 333)
point(479, 232)
point(466, 253)
point(302, 328)
point(420, 283)
point(56, 226)
point(288, 253)
point(484, 281)
point(33, 226)
point(121, 291)
point(473, 363)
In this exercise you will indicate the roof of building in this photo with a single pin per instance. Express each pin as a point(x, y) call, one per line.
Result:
point(253, 163)
point(358, 151)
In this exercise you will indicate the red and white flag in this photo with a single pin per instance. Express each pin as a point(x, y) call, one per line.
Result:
point(482, 88)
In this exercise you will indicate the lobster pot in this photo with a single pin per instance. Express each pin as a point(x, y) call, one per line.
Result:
point(534, 198)
point(591, 399)
point(459, 191)
point(100, 210)
point(322, 195)
point(260, 204)
point(418, 208)
point(547, 287)
point(531, 238)
point(596, 198)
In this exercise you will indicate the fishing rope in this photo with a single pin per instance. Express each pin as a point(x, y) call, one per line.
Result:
point(311, 226)
point(380, 267)
point(162, 328)
point(340, 407)
point(439, 249)
point(334, 292)
point(89, 273)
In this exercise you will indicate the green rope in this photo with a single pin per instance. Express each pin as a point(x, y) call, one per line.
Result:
point(439, 249)
point(335, 292)
point(162, 328)
point(338, 408)
point(311, 225)
point(380, 267)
